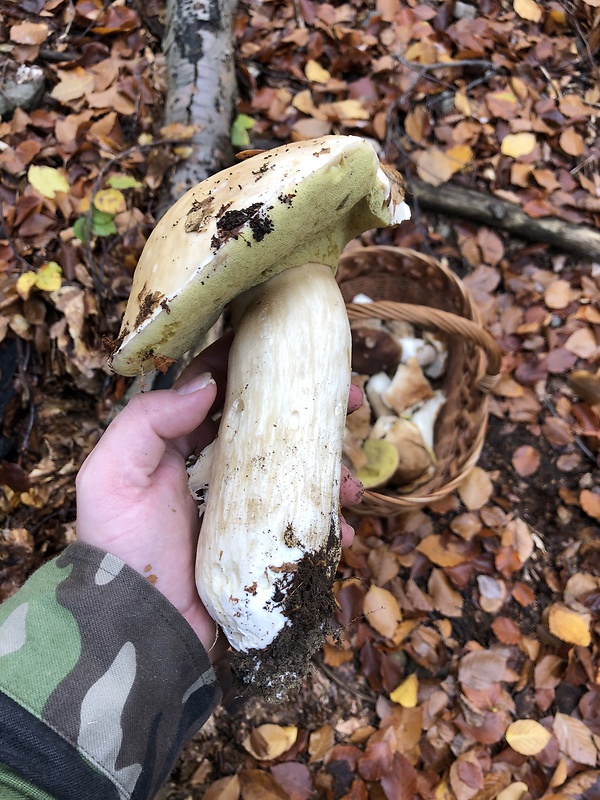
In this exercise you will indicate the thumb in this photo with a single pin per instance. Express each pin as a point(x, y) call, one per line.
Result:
point(135, 441)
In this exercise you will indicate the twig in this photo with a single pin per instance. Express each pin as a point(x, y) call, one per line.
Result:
point(465, 62)
point(346, 686)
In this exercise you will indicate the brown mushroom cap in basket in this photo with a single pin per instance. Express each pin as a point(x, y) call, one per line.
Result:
point(407, 285)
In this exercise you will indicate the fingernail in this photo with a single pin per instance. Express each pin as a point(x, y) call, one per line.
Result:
point(195, 384)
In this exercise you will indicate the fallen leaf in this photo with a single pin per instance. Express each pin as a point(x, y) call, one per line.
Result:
point(295, 779)
point(31, 33)
point(382, 611)
point(476, 489)
point(47, 180)
point(110, 201)
point(590, 503)
point(315, 72)
point(442, 551)
point(575, 739)
point(270, 741)
point(569, 625)
point(503, 103)
point(320, 743)
point(528, 9)
point(506, 630)
point(224, 789)
point(436, 167)
point(526, 460)
point(582, 342)
point(514, 791)
point(571, 142)
point(516, 145)
point(406, 694)
point(74, 83)
point(558, 294)
point(527, 737)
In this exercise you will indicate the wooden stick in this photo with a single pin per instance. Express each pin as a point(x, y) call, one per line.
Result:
point(456, 201)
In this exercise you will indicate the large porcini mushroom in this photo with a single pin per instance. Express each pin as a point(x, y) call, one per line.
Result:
point(267, 234)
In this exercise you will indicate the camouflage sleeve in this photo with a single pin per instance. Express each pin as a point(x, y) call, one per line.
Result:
point(102, 682)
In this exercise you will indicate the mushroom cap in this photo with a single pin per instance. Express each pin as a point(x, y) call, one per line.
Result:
point(292, 205)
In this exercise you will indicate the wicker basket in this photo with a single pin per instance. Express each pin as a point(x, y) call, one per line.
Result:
point(407, 285)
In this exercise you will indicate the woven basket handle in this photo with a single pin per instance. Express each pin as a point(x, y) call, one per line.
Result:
point(427, 317)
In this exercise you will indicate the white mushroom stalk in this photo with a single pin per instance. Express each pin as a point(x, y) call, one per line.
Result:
point(270, 537)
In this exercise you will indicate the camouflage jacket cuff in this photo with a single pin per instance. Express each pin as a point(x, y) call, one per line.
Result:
point(98, 666)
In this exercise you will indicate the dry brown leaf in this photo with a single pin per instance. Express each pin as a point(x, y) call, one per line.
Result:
point(590, 503)
point(382, 611)
point(582, 343)
point(492, 593)
point(571, 142)
point(441, 551)
point(503, 103)
point(528, 9)
point(31, 33)
point(446, 599)
point(575, 739)
point(483, 669)
point(320, 743)
point(74, 83)
point(436, 167)
point(569, 625)
point(476, 489)
point(558, 294)
point(269, 741)
point(526, 460)
point(224, 789)
point(527, 737)
point(516, 145)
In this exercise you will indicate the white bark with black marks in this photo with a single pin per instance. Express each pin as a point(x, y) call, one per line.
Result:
point(201, 86)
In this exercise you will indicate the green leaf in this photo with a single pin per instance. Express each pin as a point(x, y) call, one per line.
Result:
point(81, 228)
point(123, 182)
point(239, 130)
point(103, 224)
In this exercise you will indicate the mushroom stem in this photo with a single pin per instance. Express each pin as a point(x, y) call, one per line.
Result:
point(270, 540)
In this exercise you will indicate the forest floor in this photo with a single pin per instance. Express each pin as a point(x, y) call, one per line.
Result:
point(479, 676)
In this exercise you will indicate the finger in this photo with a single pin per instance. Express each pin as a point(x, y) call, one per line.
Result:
point(355, 398)
point(134, 443)
point(351, 489)
point(347, 534)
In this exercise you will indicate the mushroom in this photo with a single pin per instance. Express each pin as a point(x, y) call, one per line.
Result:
point(269, 232)
point(408, 387)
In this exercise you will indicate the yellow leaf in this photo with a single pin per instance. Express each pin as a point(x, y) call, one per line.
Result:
point(407, 692)
point(382, 611)
point(514, 791)
point(569, 625)
point(528, 9)
point(436, 167)
point(315, 72)
point(270, 741)
point(348, 109)
point(47, 181)
point(25, 284)
point(74, 84)
point(527, 737)
point(460, 155)
point(48, 278)
point(462, 104)
point(110, 201)
point(518, 144)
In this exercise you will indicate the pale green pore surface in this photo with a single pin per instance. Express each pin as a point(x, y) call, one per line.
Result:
point(316, 197)
point(52, 643)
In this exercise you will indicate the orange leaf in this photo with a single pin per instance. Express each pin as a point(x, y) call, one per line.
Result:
point(442, 552)
point(590, 503)
point(31, 33)
point(571, 142)
point(382, 611)
point(526, 460)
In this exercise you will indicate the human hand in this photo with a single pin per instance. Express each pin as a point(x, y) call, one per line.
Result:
point(133, 498)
